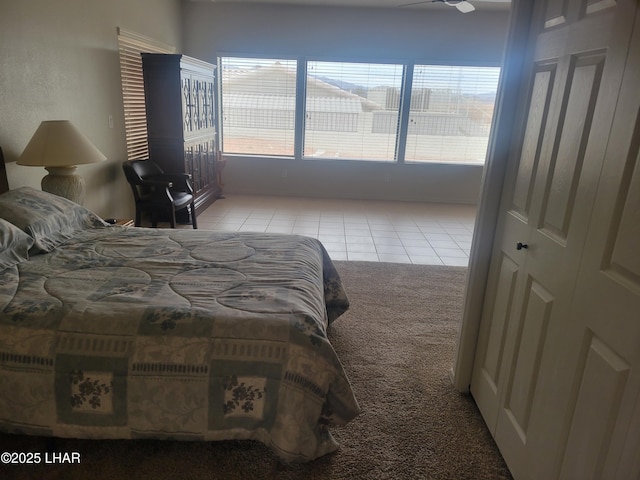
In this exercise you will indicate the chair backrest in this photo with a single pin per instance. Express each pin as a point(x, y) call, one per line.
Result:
point(136, 170)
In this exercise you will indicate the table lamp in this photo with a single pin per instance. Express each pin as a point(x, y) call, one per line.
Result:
point(59, 146)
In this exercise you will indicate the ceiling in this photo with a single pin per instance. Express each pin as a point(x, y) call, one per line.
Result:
point(499, 5)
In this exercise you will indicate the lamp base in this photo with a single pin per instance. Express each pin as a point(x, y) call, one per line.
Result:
point(63, 181)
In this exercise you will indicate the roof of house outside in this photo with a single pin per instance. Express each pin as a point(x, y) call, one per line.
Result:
point(281, 102)
point(279, 80)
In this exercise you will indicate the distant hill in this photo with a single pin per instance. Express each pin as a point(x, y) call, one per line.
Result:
point(342, 85)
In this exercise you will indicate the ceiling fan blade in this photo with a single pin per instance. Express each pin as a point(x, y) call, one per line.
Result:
point(463, 6)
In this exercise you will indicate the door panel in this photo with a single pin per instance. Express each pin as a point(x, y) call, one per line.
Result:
point(489, 359)
point(539, 102)
point(593, 6)
point(604, 377)
point(621, 260)
point(556, 13)
point(502, 310)
point(538, 305)
point(574, 127)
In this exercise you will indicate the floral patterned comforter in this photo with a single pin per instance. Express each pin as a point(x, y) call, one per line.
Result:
point(177, 334)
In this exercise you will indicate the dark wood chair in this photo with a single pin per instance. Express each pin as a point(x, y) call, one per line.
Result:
point(158, 193)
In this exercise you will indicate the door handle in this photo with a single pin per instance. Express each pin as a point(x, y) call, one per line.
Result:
point(520, 246)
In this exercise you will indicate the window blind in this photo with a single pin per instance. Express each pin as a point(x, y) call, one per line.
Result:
point(380, 112)
point(130, 46)
point(450, 115)
point(352, 110)
point(258, 105)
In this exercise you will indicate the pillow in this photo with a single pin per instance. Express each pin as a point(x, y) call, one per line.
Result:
point(14, 245)
point(49, 219)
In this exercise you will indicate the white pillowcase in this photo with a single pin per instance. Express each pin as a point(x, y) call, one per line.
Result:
point(14, 245)
point(49, 219)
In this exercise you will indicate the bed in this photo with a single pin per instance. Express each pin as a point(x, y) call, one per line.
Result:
point(119, 332)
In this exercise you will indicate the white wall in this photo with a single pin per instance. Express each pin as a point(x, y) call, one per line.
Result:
point(62, 62)
point(59, 60)
point(427, 36)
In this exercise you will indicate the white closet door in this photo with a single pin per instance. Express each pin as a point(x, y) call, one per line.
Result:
point(536, 362)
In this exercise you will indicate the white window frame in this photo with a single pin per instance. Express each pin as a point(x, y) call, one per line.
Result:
point(300, 111)
point(280, 107)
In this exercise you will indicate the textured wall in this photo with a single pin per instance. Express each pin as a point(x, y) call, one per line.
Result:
point(429, 36)
point(60, 61)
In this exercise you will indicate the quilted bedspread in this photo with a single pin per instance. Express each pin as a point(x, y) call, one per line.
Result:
point(177, 334)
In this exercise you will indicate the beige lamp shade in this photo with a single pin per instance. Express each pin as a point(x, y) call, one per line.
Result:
point(58, 143)
point(59, 146)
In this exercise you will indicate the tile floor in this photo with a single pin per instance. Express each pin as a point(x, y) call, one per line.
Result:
point(379, 231)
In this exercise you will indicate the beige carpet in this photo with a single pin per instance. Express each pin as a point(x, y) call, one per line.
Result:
point(397, 343)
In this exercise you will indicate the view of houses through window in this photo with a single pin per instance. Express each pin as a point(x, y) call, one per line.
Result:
point(346, 110)
point(450, 114)
point(355, 110)
point(258, 106)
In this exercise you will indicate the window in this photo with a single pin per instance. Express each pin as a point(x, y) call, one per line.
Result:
point(450, 113)
point(130, 46)
point(356, 111)
point(258, 105)
point(352, 110)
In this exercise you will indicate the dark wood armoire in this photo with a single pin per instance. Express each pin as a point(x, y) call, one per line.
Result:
point(180, 103)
